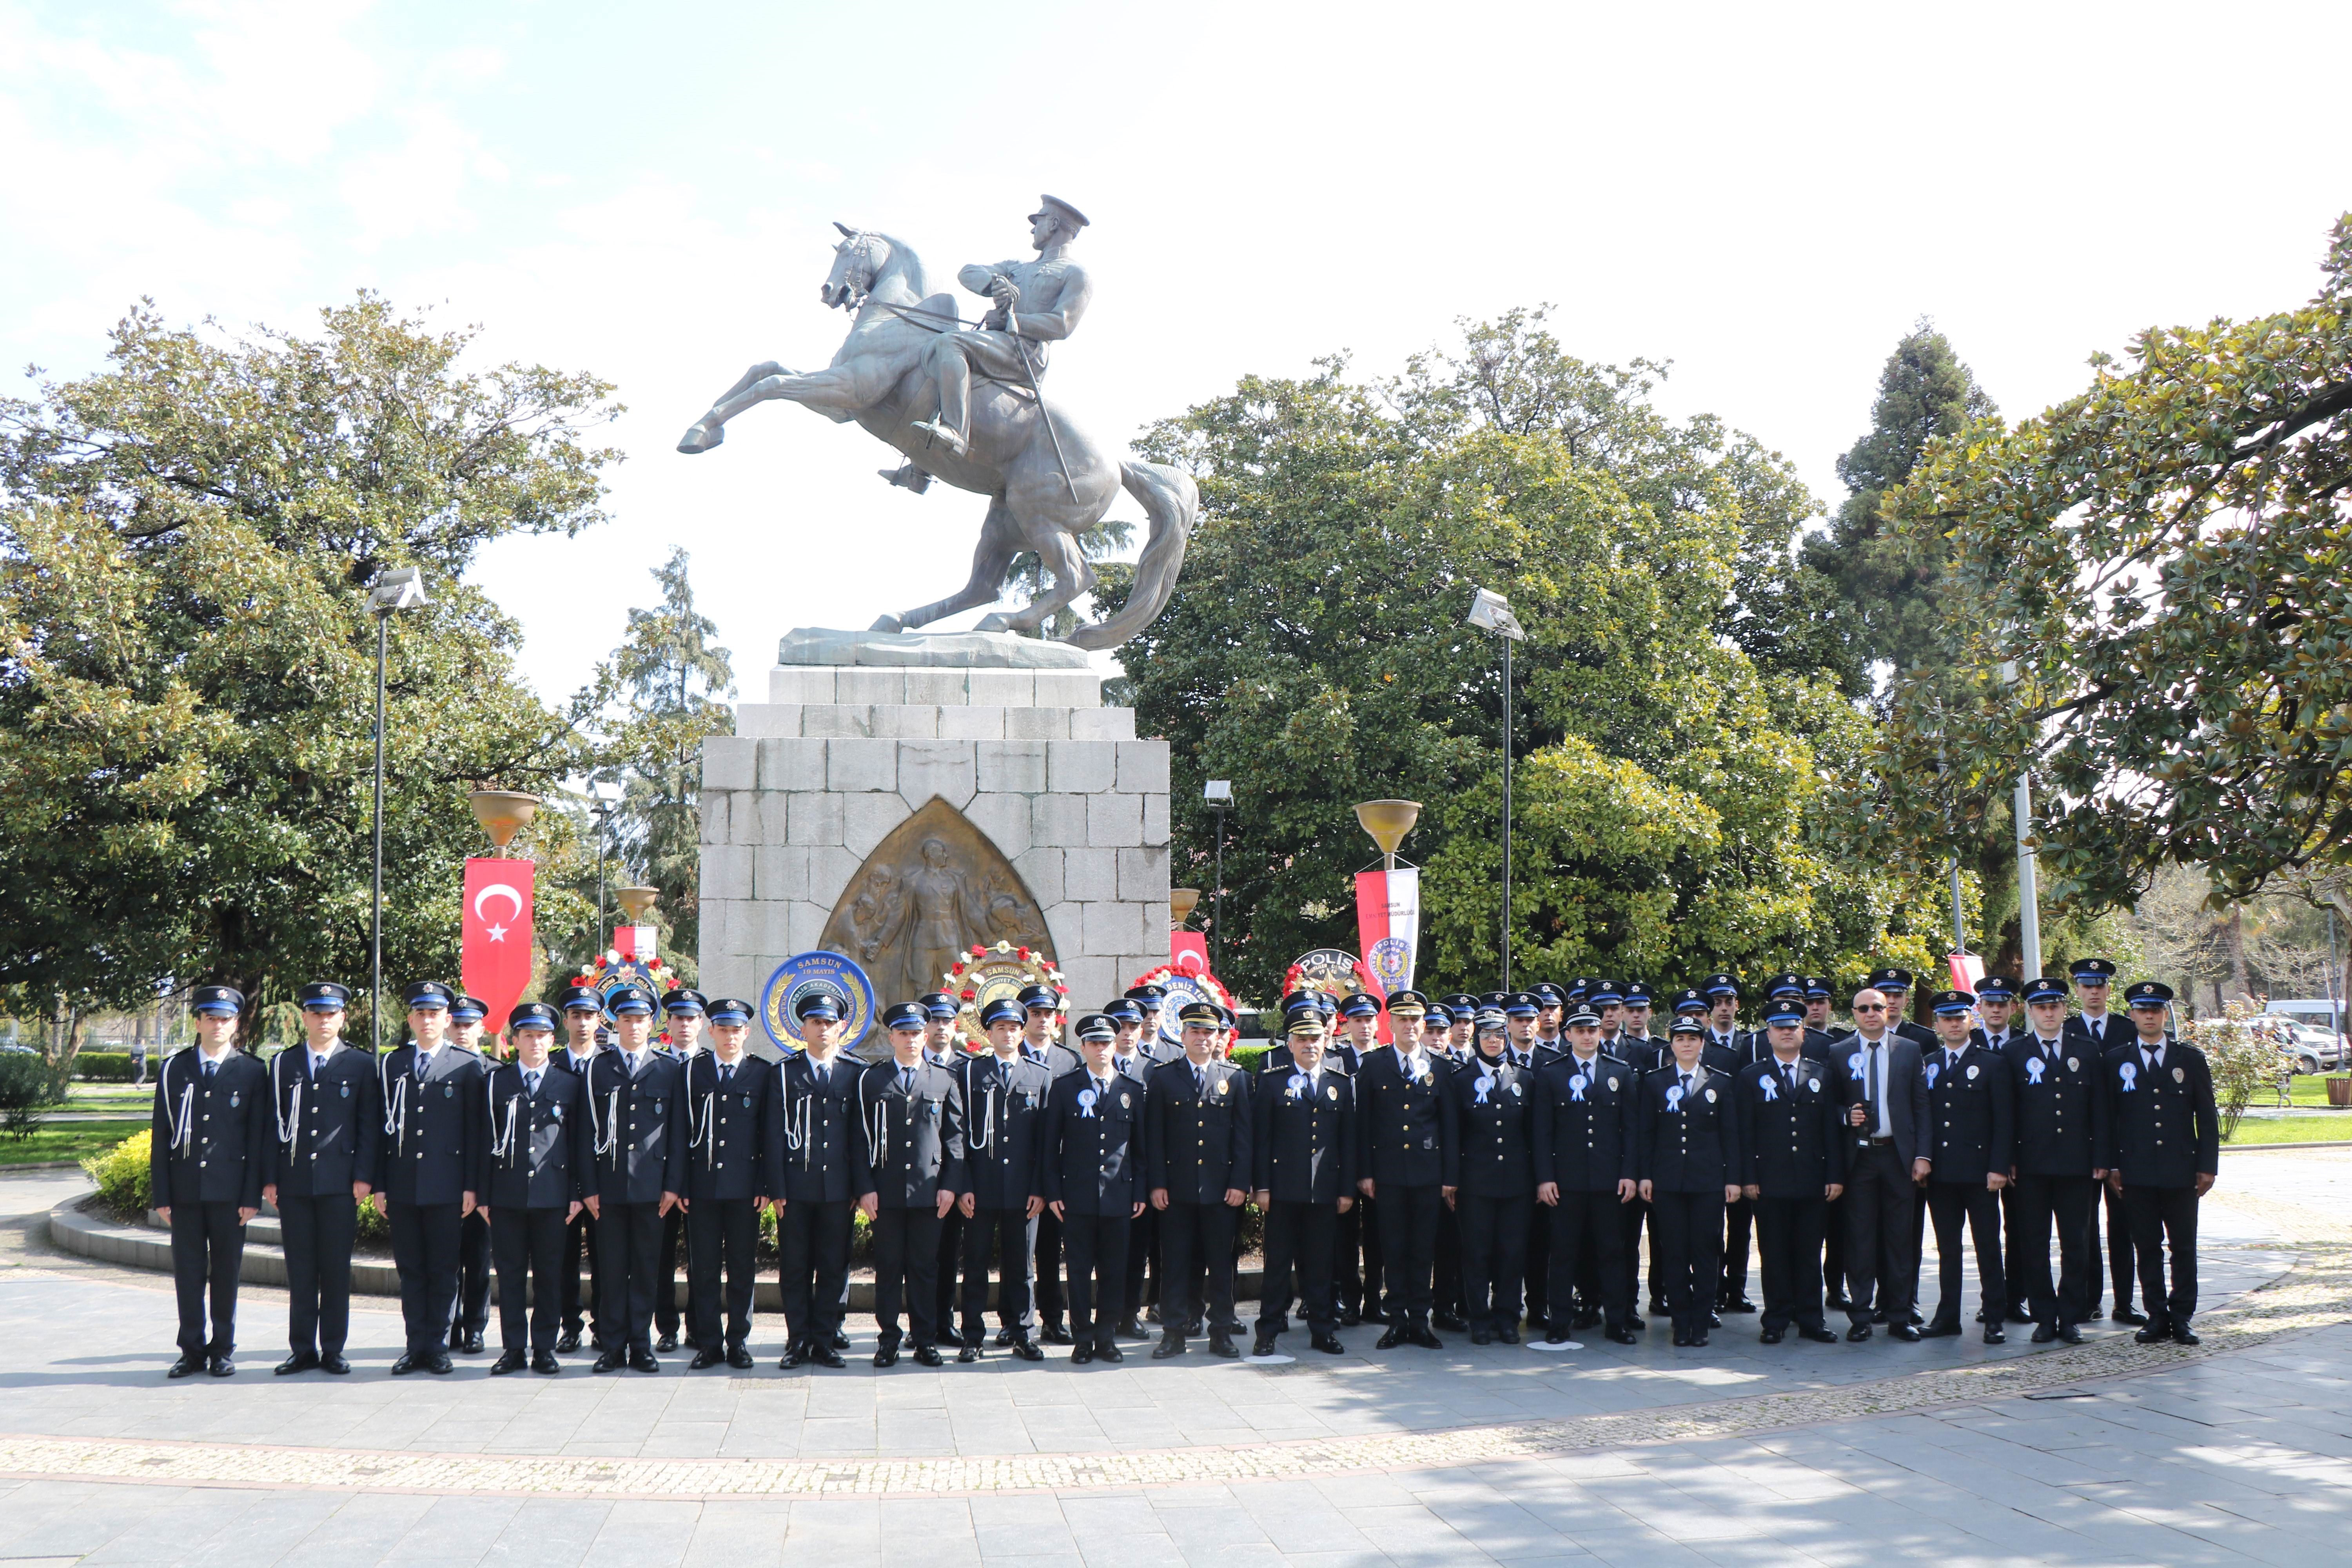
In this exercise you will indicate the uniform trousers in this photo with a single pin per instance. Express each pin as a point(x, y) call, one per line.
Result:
point(1359, 1288)
point(470, 1308)
point(1833, 1248)
point(1789, 1243)
point(1881, 1262)
point(2120, 1260)
point(2012, 1232)
point(1688, 1228)
point(906, 1264)
point(1301, 1240)
point(1494, 1260)
point(1447, 1294)
point(1191, 1237)
point(1739, 1224)
point(1534, 1267)
point(1588, 1239)
point(425, 1239)
point(1634, 1215)
point(318, 1232)
point(2043, 1204)
point(1407, 1222)
point(579, 1243)
point(208, 1258)
point(945, 1276)
point(666, 1315)
point(2157, 1215)
point(1007, 1238)
point(1951, 1204)
point(1052, 1300)
point(1143, 1246)
point(628, 1237)
point(1095, 1248)
point(813, 1241)
point(528, 1244)
point(722, 1238)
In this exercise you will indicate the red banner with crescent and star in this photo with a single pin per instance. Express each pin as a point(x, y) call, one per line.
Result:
point(498, 936)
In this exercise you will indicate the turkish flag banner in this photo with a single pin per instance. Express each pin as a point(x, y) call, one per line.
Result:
point(498, 936)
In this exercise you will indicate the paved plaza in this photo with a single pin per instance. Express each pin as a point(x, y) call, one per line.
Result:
point(2238, 1451)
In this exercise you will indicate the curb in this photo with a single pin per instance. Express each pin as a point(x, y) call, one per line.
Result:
point(2260, 1148)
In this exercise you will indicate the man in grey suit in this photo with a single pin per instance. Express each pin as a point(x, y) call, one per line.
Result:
point(1885, 1091)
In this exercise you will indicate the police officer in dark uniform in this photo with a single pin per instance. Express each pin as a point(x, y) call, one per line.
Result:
point(809, 1146)
point(1894, 984)
point(730, 1112)
point(1486, 1178)
point(943, 1046)
point(1400, 1163)
point(1005, 1110)
point(636, 1100)
point(1822, 1041)
point(535, 1158)
point(1041, 1015)
point(2103, 1031)
point(1151, 1001)
point(328, 1125)
point(2164, 1150)
point(1130, 1061)
point(907, 1168)
point(1197, 1154)
point(2059, 1163)
point(1971, 1147)
point(583, 1020)
point(682, 1017)
point(1729, 1049)
point(1687, 1158)
point(431, 1154)
point(1793, 1164)
point(469, 1316)
point(208, 1156)
point(1582, 1144)
point(1093, 1163)
point(1302, 1154)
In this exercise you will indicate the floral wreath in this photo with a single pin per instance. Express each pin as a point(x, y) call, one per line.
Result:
point(1295, 978)
point(610, 969)
point(984, 973)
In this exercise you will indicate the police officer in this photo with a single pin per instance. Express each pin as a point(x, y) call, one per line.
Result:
point(1970, 1150)
point(1042, 1010)
point(1128, 1059)
point(636, 1100)
point(1793, 1164)
point(535, 1158)
point(1687, 1158)
point(427, 1163)
point(809, 1146)
point(1197, 1152)
point(1822, 1038)
point(1151, 1001)
point(583, 1020)
point(1302, 1155)
point(208, 1156)
point(2058, 1165)
point(1462, 1018)
point(469, 1316)
point(2164, 1149)
point(1581, 1143)
point(1894, 984)
point(1486, 1178)
point(682, 1017)
point(1093, 1163)
point(2101, 1032)
point(730, 1112)
point(1633, 1043)
point(943, 1046)
point(908, 1160)
point(329, 1122)
point(1005, 1109)
point(1401, 1168)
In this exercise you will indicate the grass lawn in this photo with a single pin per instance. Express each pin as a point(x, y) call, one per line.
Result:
point(2292, 1130)
point(62, 1139)
point(2309, 1090)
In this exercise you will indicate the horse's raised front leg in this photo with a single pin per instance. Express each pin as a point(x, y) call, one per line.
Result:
point(706, 433)
point(832, 392)
point(990, 561)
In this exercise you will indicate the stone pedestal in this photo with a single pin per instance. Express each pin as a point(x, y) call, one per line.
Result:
point(841, 753)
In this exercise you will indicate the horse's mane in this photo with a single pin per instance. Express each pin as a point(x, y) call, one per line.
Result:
point(909, 262)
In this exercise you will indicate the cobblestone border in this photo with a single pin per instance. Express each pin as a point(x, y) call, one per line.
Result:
point(2316, 1292)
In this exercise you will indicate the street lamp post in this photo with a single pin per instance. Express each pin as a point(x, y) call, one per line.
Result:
point(1490, 610)
point(1219, 795)
point(604, 809)
point(401, 588)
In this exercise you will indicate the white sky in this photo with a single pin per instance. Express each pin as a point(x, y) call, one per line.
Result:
point(1766, 196)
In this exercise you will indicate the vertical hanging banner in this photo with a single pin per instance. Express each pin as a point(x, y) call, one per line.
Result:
point(1388, 927)
point(1187, 952)
point(1968, 969)
point(634, 941)
point(496, 932)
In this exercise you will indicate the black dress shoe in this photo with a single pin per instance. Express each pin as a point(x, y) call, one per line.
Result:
point(643, 1361)
point(438, 1363)
point(1421, 1334)
point(1623, 1337)
point(1003, 1338)
point(403, 1364)
point(1479, 1336)
point(949, 1338)
point(333, 1361)
point(887, 1356)
point(1916, 1318)
point(1452, 1323)
point(794, 1356)
point(1737, 1304)
point(1131, 1329)
point(739, 1356)
point(1681, 1338)
point(509, 1360)
point(1698, 1339)
point(1328, 1344)
point(1082, 1353)
point(2181, 1335)
point(188, 1365)
point(472, 1345)
point(824, 1355)
point(1391, 1340)
point(1857, 1333)
point(1768, 1337)
point(1820, 1333)
point(300, 1360)
point(1168, 1345)
point(1053, 1333)
point(927, 1356)
point(1222, 1346)
point(1109, 1350)
point(1657, 1307)
point(545, 1363)
point(613, 1360)
point(1639, 1325)
point(1586, 1317)
point(1507, 1334)
point(1940, 1330)
point(1350, 1317)
point(1839, 1301)
point(2069, 1334)
point(1714, 1320)
point(2127, 1315)
point(1879, 1316)
point(1994, 1334)
point(839, 1340)
point(666, 1344)
point(1027, 1349)
point(1261, 1347)
point(2044, 1333)
point(222, 1365)
point(1906, 1332)
point(2018, 1314)
point(567, 1342)
point(968, 1355)
point(705, 1359)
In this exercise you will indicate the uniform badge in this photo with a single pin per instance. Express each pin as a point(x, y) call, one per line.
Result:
point(1972, 1072)
point(448, 1092)
point(234, 1099)
point(747, 1102)
point(1814, 1084)
point(1222, 1084)
point(1123, 1101)
point(1710, 1097)
point(1612, 1086)
point(347, 1091)
point(1333, 1091)
point(2179, 1075)
point(1515, 1089)
point(2073, 1064)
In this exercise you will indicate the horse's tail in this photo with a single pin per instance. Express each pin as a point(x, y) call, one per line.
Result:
point(1170, 499)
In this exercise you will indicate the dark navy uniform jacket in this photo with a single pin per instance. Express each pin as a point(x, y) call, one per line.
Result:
point(1198, 1144)
point(1789, 1141)
point(432, 1125)
point(639, 1123)
point(1003, 1124)
point(908, 1144)
point(1343, 1060)
point(1056, 1059)
point(1485, 1137)
point(2162, 1124)
point(1969, 1111)
point(816, 1124)
point(2060, 1116)
point(1302, 1136)
point(1642, 1053)
point(1583, 1133)
point(211, 1136)
point(1093, 1157)
point(1686, 1142)
point(538, 1146)
point(336, 1118)
point(1399, 1136)
point(729, 1129)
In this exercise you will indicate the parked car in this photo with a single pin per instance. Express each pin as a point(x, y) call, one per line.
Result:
point(2316, 1045)
point(2315, 1050)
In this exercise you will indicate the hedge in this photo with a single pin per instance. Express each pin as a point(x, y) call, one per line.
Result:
point(110, 1066)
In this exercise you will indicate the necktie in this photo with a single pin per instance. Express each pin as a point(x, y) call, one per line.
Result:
point(424, 1064)
point(1870, 1084)
point(1687, 1085)
point(209, 1066)
point(1201, 1082)
point(318, 1065)
point(906, 1081)
point(1788, 1072)
point(823, 1079)
point(726, 1074)
point(530, 1082)
point(2050, 1051)
point(1102, 1086)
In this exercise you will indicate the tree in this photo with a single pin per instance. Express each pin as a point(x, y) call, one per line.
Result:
point(187, 659)
point(1316, 655)
point(2145, 597)
point(656, 699)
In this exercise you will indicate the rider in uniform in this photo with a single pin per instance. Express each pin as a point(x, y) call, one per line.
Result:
point(1036, 303)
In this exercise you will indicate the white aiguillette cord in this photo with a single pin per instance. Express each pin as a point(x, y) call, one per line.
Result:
point(703, 1139)
point(182, 1127)
point(290, 1122)
point(396, 1103)
point(501, 1144)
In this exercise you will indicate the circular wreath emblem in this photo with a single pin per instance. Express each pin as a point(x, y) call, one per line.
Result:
point(984, 973)
point(1188, 983)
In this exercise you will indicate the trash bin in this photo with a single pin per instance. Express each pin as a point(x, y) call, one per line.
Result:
point(2339, 1091)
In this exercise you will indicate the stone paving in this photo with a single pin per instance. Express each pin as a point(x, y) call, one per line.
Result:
point(2238, 1451)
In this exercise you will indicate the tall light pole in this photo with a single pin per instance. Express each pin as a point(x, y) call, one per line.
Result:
point(604, 808)
point(1218, 793)
point(1489, 610)
point(401, 588)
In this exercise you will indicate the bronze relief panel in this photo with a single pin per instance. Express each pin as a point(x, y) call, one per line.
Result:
point(931, 891)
